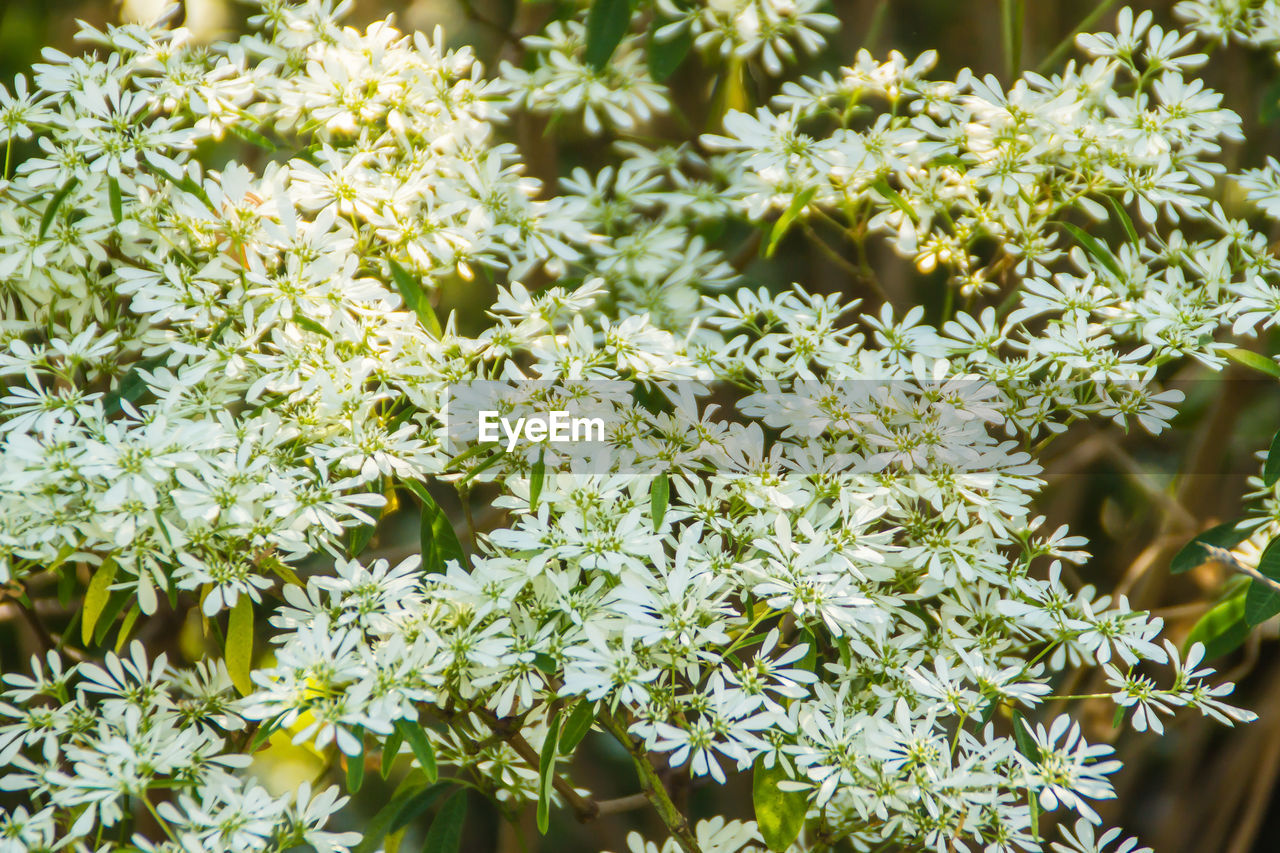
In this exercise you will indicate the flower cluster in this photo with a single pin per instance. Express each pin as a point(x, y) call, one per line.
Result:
point(218, 376)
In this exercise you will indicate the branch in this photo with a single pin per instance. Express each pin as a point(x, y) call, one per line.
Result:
point(654, 791)
point(584, 809)
point(1223, 557)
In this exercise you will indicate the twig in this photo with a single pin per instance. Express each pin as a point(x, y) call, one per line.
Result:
point(584, 809)
point(623, 804)
point(1224, 558)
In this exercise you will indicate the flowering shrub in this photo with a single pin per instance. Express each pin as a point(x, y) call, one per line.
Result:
point(224, 372)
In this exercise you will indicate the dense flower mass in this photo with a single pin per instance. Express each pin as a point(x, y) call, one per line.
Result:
point(220, 372)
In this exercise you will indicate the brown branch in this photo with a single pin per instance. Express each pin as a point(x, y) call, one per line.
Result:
point(584, 808)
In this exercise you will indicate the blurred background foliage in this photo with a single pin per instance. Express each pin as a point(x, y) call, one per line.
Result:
point(1201, 788)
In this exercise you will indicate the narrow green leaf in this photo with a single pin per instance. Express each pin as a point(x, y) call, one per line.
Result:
point(253, 137)
point(1222, 629)
point(779, 814)
point(66, 584)
point(114, 200)
point(358, 539)
point(1027, 746)
point(607, 22)
point(419, 803)
point(659, 497)
point(238, 652)
point(666, 56)
point(54, 203)
point(547, 774)
point(895, 198)
point(536, 476)
point(95, 598)
point(1270, 109)
point(1271, 470)
point(391, 751)
point(307, 324)
point(375, 828)
point(1100, 253)
point(439, 541)
point(797, 206)
point(127, 626)
point(285, 573)
point(1022, 737)
point(1195, 552)
point(577, 725)
point(415, 298)
point(445, 834)
point(263, 734)
point(730, 93)
point(1260, 363)
point(116, 604)
point(132, 386)
point(355, 764)
point(1125, 222)
point(421, 746)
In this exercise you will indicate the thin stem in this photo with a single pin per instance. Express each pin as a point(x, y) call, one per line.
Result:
point(875, 25)
point(1012, 13)
point(654, 790)
point(1064, 47)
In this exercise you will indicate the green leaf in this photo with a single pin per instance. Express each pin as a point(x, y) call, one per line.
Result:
point(376, 827)
point(126, 626)
point(577, 725)
point(659, 496)
point(415, 298)
point(1125, 221)
point(263, 734)
point(1270, 109)
point(358, 539)
point(1195, 552)
point(239, 648)
point(779, 814)
point(54, 203)
point(115, 606)
point(1262, 602)
point(96, 597)
point(1260, 363)
point(547, 774)
point(391, 751)
point(1222, 629)
point(607, 23)
point(311, 326)
point(1027, 746)
point(419, 803)
point(730, 93)
point(666, 56)
point(445, 834)
point(439, 542)
point(895, 198)
point(1100, 253)
point(536, 476)
point(132, 386)
point(286, 574)
point(1271, 470)
point(355, 763)
point(253, 137)
point(797, 206)
point(421, 746)
point(115, 201)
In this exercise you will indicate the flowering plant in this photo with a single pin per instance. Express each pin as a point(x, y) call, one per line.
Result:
point(225, 373)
